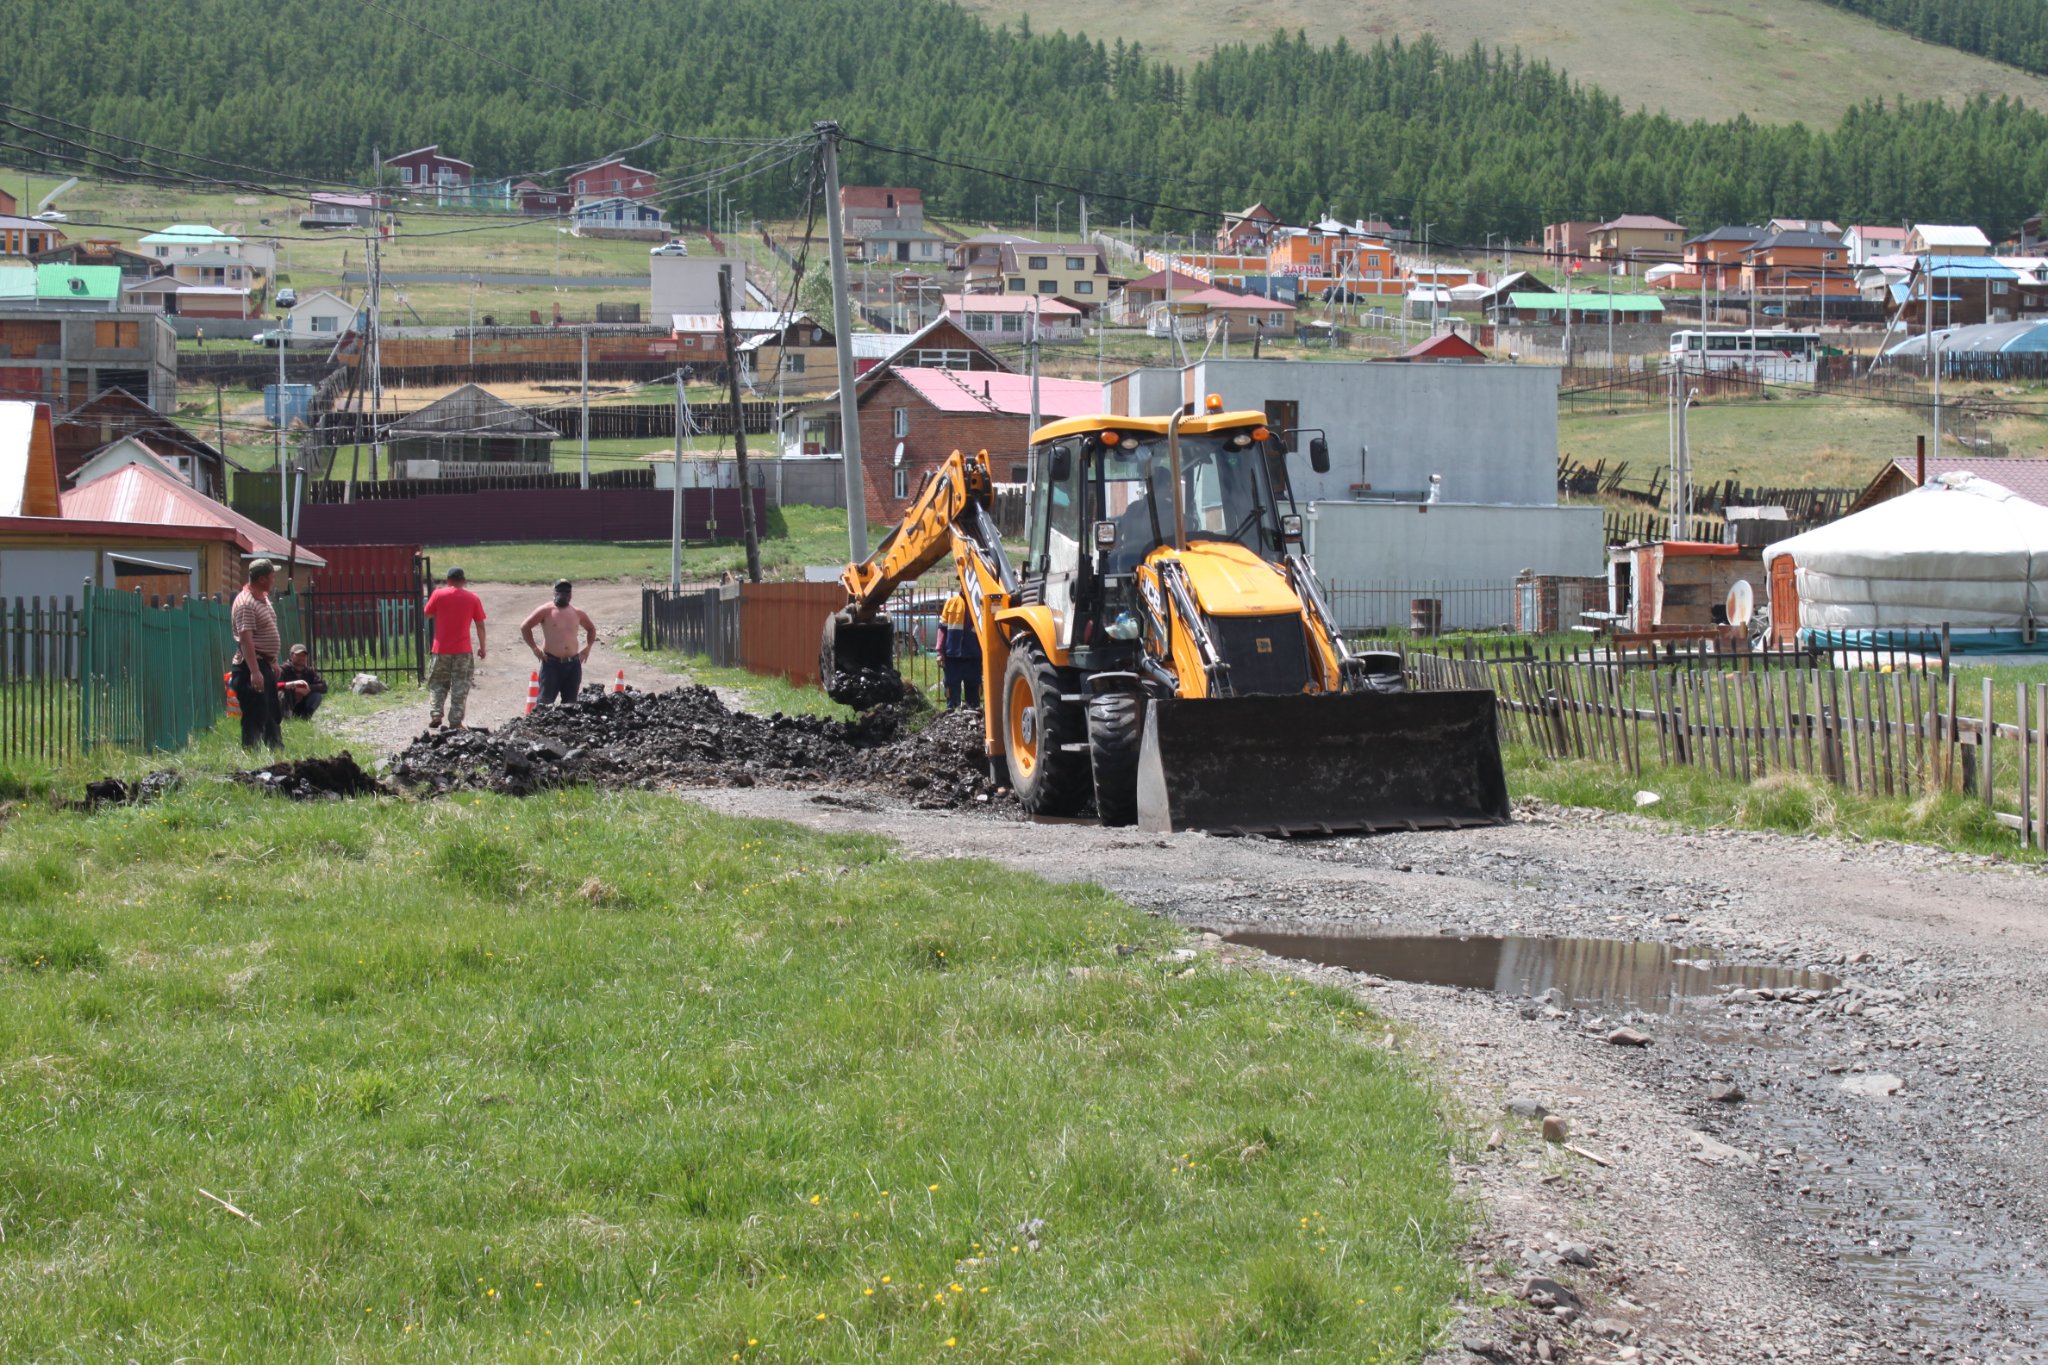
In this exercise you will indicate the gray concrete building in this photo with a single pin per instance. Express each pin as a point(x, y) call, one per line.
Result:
point(56, 353)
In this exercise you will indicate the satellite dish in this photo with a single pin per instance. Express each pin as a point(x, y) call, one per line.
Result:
point(1741, 603)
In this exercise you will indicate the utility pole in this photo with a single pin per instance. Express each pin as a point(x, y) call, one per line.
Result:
point(1610, 315)
point(739, 425)
point(373, 355)
point(842, 330)
point(283, 476)
point(583, 422)
point(675, 525)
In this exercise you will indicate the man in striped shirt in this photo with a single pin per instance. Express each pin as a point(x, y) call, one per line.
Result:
point(254, 675)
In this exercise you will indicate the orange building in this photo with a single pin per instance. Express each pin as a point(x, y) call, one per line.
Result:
point(1800, 263)
point(1332, 252)
point(1718, 255)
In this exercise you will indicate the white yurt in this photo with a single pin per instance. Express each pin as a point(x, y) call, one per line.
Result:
point(1961, 551)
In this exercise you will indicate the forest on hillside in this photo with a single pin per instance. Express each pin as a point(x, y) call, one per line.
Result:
point(2011, 31)
point(1471, 142)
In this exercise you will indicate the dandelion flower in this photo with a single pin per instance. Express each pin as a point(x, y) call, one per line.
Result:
point(817, 1199)
point(868, 1293)
point(932, 1189)
point(952, 1341)
point(956, 1289)
point(982, 1290)
point(820, 1317)
point(536, 1284)
point(887, 1279)
point(753, 1341)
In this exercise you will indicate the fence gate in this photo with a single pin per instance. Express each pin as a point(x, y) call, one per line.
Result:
point(363, 619)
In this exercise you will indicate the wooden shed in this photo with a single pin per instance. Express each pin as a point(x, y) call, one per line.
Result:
point(470, 427)
point(1673, 586)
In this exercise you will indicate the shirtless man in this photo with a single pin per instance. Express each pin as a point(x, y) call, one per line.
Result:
point(561, 661)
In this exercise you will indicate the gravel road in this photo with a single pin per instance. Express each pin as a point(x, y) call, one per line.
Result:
point(1849, 1171)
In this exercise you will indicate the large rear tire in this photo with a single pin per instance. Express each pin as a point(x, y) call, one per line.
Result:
point(1047, 776)
point(1116, 729)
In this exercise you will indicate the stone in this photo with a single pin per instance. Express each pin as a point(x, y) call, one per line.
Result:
point(1555, 1129)
point(1726, 1093)
point(1713, 1151)
point(1495, 1139)
point(1575, 1253)
point(1523, 1107)
point(1540, 1287)
point(1628, 1037)
point(1612, 1329)
point(1874, 1084)
point(1646, 799)
point(367, 685)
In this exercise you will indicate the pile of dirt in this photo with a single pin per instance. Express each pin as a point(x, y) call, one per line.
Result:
point(112, 791)
point(688, 737)
point(314, 779)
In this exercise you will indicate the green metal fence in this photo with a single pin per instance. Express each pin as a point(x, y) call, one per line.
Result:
point(152, 674)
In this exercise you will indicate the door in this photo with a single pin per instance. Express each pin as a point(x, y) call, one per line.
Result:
point(903, 251)
point(1062, 542)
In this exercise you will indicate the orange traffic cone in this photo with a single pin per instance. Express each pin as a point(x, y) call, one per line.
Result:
point(619, 683)
point(532, 691)
point(234, 702)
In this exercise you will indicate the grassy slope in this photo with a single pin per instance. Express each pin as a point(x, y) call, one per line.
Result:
point(1775, 60)
point(607, 1075)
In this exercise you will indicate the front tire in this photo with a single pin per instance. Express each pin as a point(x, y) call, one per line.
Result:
point(1116, 728)
point(1047, 776)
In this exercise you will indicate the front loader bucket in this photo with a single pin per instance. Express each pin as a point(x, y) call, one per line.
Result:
point(1328, 763)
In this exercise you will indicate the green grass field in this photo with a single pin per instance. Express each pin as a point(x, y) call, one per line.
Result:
point(606, 1075)
point(1793, 442)
point(1774, 60)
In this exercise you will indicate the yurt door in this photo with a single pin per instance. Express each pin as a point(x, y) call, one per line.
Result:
point(1784, 601)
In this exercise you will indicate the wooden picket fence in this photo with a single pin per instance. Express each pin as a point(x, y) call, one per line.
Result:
point(1902, 732)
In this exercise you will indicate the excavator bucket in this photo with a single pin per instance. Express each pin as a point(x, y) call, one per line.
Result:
point(857, 662)
point(1330, 763)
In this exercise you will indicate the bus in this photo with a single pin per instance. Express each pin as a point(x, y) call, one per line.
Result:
point(1775, 355)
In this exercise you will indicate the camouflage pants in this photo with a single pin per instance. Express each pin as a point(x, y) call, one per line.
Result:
point(448, 683)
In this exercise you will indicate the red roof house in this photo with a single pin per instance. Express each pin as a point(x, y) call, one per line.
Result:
point(613, 178)
point(1451, 348)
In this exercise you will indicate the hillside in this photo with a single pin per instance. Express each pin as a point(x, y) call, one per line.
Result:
point(1773, 60)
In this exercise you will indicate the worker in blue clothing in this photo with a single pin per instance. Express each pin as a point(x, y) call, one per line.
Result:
point(959, 655)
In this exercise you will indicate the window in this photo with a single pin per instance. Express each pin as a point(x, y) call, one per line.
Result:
point(1375, 274)
point(1373, 263)
point(1035, 263)
point(327, 325)
point(405, 175)
point(1077, 262)
point(1828, 255)
point(943, 360)
point(1998, 288)
point(902, 485)
point(115, 336)
point(1315, 258)
point(1315, 239)
point(792, 362)
point(582, 185)
point(1670, 236)
point(1284, 415)
point(1013, 322)
point(983, 322)
point(1016, 284)
point(902, 426)
point(1048, 286)
point(1084, 286)
point(689, 343)
point(617, 184)
point(1019, 473)
point(1275, 319)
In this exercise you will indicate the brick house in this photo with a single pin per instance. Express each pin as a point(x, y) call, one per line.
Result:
point(1568, 241)
point(613, 178)
point(540, 202)
point(868, 209)
point(912, 419)
point(1636, 237)
point(1717, 256)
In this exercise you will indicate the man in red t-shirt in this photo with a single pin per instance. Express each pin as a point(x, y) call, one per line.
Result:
point(452, 607)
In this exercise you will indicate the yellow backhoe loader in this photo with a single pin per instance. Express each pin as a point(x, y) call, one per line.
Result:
point(1166, 654)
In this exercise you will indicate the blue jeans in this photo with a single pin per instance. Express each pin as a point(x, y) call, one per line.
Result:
point(560, 679)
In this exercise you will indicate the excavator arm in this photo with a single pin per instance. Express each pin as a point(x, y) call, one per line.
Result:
point(949, 517)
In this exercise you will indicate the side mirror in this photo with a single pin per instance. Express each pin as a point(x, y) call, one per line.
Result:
point(1105, 535)
point(1061, 463)
point(1319, 455)
point(1290, 529)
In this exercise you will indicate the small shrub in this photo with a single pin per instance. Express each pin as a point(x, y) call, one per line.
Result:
point(480, 864)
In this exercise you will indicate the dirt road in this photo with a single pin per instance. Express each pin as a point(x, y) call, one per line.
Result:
point(1853, 1171)
point(499, 692)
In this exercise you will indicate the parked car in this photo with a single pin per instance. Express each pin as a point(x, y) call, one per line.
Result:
point(287, 296)
point(674, 246)
point(52, 216)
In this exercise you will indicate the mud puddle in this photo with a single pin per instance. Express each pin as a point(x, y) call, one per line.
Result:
point(1602, 974)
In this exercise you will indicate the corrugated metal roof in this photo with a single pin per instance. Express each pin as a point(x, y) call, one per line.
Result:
point(473, 411)
point(1043, 305)
point(2028, 478)
point(1967, 267)
point(100, 282)
point(1640, 221)
point(1951, 234)
point(17, 281)
point(878, 345)
point(189, 234)
point(992, 391)
point(1589, 302)
point(140, 496)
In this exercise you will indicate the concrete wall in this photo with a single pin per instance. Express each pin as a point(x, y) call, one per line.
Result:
point(689, 284)
point(1490, 430)
point(1376, 556)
